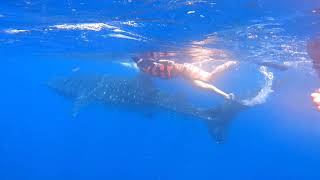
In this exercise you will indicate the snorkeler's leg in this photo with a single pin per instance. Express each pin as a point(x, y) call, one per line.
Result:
point(221, 68)
point(212, 88)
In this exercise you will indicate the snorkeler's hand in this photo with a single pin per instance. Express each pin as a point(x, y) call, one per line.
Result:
point(316, 98)
point(230, 96)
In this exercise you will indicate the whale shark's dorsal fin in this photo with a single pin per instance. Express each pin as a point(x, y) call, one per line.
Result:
point(148, 84)
point(146, 79)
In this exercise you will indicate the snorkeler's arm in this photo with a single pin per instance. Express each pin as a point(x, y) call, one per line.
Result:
point(210, 87)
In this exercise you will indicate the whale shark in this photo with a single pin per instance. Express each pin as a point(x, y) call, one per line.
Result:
point(139, 92)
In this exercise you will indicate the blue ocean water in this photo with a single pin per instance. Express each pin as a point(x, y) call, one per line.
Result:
point(276, 138)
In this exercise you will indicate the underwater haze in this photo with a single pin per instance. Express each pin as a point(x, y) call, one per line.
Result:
point(75, 106)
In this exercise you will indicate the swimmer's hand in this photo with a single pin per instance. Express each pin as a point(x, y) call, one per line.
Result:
point(316, 98)
point(230, 96)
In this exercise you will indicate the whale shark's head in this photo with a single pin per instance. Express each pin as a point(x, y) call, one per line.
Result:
point(114, 89)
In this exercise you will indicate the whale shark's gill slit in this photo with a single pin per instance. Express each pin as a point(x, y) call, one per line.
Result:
point(87, 94)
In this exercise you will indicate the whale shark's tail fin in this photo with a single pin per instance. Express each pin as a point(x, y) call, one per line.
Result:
point(219, 118)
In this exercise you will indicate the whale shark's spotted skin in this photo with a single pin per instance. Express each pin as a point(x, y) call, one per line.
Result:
point(140, 91)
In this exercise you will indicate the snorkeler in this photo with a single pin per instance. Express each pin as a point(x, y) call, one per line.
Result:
point(316, 98)
point(314, 52)
point(168, 69)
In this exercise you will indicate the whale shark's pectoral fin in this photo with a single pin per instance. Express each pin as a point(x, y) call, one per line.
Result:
point(220, 118)
point(78, 104)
